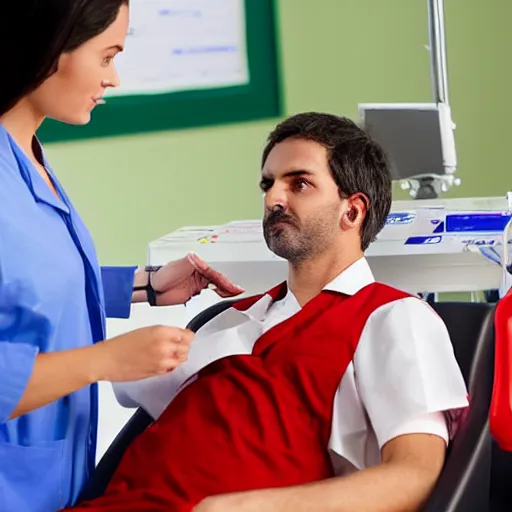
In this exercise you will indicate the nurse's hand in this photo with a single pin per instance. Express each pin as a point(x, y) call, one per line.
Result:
point(180, 280)
point(143, 353)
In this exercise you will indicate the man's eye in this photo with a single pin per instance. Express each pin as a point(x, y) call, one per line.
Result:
point(265, 185)
point(300, 184)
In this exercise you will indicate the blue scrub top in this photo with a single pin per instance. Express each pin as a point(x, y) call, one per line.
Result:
point(53, 296)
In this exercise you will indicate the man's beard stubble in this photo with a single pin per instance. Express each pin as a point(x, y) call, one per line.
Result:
point(293, 241)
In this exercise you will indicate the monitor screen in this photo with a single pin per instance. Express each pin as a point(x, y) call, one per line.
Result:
point(409, 134)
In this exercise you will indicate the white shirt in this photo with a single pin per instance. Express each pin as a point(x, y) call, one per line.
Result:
point(403, 377)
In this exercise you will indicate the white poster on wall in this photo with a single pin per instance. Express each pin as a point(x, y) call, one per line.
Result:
point(180, 45)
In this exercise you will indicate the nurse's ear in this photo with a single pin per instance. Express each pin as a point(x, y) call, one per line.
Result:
point(355, 211)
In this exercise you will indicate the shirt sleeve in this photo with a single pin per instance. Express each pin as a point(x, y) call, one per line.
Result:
point(23, 329)
point(16, 365)
point(433, 423)
point(118, 290)
point(405, 368)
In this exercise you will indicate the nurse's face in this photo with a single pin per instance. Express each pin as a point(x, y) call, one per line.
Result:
point(82, 77)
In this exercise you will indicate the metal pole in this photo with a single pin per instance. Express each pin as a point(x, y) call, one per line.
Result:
point(438, 50)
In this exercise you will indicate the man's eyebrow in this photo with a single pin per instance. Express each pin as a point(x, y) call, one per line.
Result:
point(287, 174)
point(117, 47)
point(298, 172)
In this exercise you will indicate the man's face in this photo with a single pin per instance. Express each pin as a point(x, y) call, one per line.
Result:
point(302, 204)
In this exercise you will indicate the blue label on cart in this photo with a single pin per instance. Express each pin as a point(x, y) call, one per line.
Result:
point(477, 222)
point(400, 218)
point(480, 242)
point(424, 240)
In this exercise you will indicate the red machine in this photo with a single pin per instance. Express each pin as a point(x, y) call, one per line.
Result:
point(501, 405)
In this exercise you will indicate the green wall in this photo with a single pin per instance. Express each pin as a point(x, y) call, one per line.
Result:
point(335, 54)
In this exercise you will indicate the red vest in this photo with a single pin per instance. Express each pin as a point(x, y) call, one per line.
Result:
point(250, 421)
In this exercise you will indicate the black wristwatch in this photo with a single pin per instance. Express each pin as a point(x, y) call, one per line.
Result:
point(148, 288)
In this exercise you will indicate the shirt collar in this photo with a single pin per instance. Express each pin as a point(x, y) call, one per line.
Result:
point(349, 282)
point(16, 159)
point(6, 151)
point(352, 279)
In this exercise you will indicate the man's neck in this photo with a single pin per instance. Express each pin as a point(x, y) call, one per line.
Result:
point(22, 122)
point(309, 278)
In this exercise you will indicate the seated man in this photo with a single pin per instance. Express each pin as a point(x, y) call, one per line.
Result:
point(329, 392)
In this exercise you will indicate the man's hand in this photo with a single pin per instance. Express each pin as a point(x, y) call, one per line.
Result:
point(250, 501)
point(212, 504)
point(180, 280)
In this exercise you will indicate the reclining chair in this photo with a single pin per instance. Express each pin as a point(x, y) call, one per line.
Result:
point(464, 483)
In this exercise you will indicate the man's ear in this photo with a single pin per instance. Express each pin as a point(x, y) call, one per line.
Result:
point(356, 211)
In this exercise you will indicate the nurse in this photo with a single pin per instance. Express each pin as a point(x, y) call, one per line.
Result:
point(57, 60)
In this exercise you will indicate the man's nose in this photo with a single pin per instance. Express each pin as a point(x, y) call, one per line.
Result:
point(276, 198)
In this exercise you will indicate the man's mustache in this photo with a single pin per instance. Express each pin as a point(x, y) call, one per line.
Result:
point(276, 216)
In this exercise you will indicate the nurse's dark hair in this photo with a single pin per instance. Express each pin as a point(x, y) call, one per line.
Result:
point(34, 34)
point(357, 163)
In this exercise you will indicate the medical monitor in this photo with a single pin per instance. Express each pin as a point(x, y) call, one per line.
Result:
point(417, 137)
